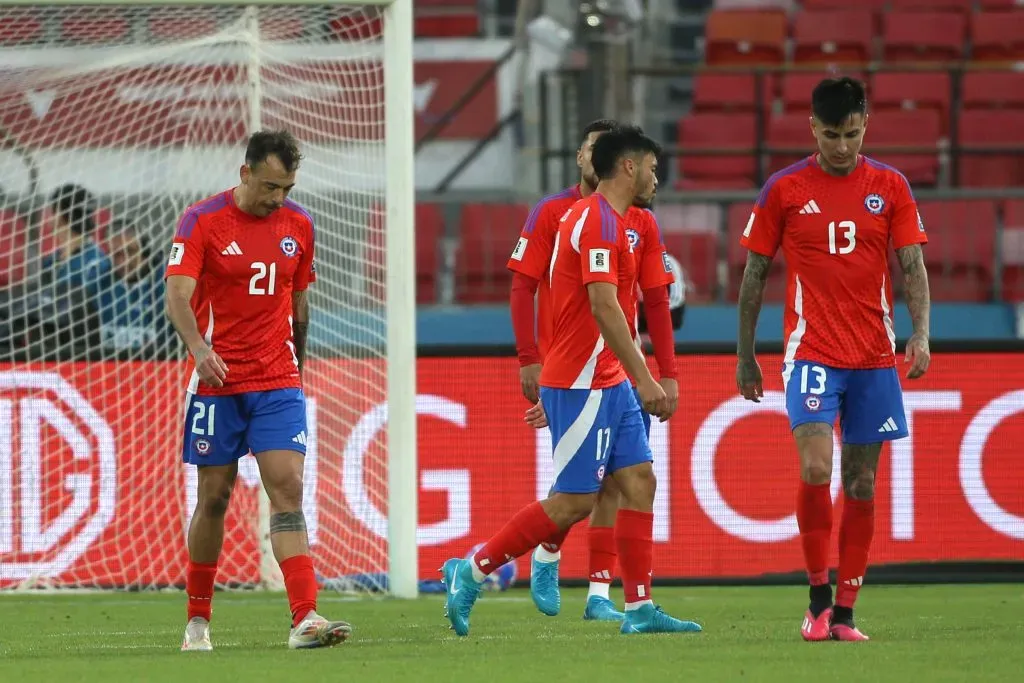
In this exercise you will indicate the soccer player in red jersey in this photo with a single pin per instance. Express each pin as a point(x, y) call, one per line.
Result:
point(531, 265)
point(596, 423)
point(834, 215)
point(240, 264)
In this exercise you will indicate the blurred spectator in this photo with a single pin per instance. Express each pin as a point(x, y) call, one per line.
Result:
point(131, 302)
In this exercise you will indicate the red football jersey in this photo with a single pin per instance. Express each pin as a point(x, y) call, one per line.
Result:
point(532, 255)
point(653, 266)
point(247, 268)
point(835, 234)
point(591, 246)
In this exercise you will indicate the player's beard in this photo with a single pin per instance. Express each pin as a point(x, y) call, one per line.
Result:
point(590, 180)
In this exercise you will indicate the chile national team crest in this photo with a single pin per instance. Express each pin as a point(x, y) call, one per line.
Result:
point(203, 447)
point(812, 403)
point(289, 246)
point(634, 238)
point(874, 203)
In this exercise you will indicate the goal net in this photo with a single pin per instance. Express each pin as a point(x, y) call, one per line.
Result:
point(113, 119)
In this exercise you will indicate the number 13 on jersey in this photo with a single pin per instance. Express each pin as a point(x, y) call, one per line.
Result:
point(846, 231)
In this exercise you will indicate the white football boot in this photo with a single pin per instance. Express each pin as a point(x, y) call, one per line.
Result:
point(316, 631)
point(197, 636)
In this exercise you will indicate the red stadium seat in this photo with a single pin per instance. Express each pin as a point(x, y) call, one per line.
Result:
point(963, 6)
point(736, 257)
point(789, 131)
point(1013, 250)
point(745, 37)
point(429, 233)
point(924, 36)
point(281, 27)
point(488, 233)
point(797, 87)
point(20, 28)
point(921, 128)
point(961, 248)
point(912, 91)
point(354, 26)
point(719, 131)
point(170, 25)
point(833, 37)
point(873, 5)
point(999, 4)
point(12, 248)
point(992, 90)
point(997, 37)
point(992, 129)
point(728, 92)
point(98, 26)
point(698, 254)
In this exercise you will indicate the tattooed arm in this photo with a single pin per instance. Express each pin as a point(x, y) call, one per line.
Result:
point(915, 278)
point(300, 325)
point(748, 373)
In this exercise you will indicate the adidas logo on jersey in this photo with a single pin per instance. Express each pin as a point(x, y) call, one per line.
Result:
point(232, 249)
point(810, 207)
point(300, 438)
point(889, 426)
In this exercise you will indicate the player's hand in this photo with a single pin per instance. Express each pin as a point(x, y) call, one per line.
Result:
point(209, 366)
point(671, 388)
point(748, 379)
point(654, 399)
point(529, 377)
point(536, 417)
point(919, 355)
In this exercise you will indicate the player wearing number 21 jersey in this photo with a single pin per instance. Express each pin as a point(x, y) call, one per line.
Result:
point(239, 267)
point(834, 216)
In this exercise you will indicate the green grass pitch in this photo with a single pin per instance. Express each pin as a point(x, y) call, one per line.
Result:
point(920, 633)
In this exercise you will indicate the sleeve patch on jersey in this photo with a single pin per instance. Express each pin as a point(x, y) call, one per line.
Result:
point(750, 224)
point(600, 261)
point(920, 223)
point(517, 253)
point(666, 261)
point(177, 254)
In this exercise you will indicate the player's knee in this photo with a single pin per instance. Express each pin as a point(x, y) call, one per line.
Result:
point(215, 502)
point(861, 487)
point(566, 509)
point(816, 472)
point(285, 492)
point(637, 485)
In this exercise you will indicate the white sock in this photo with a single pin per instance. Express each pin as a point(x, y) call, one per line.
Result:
point(599, 589)
point(630, 606)
point(545, 556)
point(478, 575)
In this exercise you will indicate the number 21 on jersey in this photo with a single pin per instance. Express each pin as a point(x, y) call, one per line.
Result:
point(843, 232)
point(264, 278)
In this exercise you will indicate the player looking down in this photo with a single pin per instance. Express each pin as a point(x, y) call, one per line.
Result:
point(239, 267)
point(596, 423)
point(834, 215)
point(531, 265)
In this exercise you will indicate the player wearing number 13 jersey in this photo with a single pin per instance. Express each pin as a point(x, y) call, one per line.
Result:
point(237, 276)
point(834, 216)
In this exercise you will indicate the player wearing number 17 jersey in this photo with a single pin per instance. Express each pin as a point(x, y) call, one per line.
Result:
point(834, 215)
point(236, 293)
point(595, 421)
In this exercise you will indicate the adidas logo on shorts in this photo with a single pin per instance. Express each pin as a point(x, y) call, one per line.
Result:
point(300, 438)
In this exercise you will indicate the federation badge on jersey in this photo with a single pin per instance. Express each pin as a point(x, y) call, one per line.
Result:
point(203, 447)
point(517, 253)
point(289, 246)
point(177, 253)
point(634, 238)
point(812, 403)
point(874, 203)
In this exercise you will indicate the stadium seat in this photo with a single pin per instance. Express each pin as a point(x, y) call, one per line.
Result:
point(736, 257)
point(912, 91)
point(961, 252)
point(281, 27)
point(698, 254)
point(1013, 250)
point(166, 25)
point(12, 248)
point(997, 37)
point(98, 26)
point(446, 19)
point(916, 128)
point(833, 37)
point(20, 28)
point(999, 4)
point(718, 131)
point(792, 131)
point(873, 5)
point(992, 90)
point(923, 36)
point(488, 232)
point(429, 231)
point(745, 37)
point(354, 26)
point(796, 89)
point(963, 6)
point(991, 129)
point(727, 92)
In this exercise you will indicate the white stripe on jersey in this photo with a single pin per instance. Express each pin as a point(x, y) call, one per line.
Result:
point(586, 377)
point(796, 336)
point(193, 381)
point(577, 433)
point(887, 319)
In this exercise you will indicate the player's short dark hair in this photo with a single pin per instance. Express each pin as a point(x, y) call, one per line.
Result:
point(75, 205)
point(598, 126)
point(836, 99)
point(279, 143)
point(617, 143)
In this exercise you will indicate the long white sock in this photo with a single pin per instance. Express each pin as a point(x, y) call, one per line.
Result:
point(545, 556)
point(599, 589)
point(478, 575)
point(630, 606)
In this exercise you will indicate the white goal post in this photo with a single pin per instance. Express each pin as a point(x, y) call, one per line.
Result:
point(181, 96)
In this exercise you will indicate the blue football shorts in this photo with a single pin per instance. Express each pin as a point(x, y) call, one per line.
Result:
point(644, 415)
point(593, 432)
point(219, 430)
point(869, 403)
